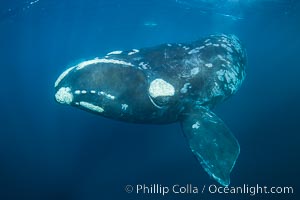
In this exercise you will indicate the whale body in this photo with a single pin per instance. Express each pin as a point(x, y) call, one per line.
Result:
point(165, 84)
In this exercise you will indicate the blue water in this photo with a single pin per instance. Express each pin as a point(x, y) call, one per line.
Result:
point(50, 151)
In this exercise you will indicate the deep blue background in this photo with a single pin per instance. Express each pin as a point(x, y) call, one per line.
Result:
point(50, 151)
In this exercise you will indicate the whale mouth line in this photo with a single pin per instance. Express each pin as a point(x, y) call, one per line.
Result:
point(157, 106)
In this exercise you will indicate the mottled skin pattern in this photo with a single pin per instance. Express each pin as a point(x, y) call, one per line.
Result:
point(165, 84)
point(170, 62)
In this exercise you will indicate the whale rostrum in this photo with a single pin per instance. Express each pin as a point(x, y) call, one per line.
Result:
point(167, 83)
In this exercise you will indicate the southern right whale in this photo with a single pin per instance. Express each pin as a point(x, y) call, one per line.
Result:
point(165, 84)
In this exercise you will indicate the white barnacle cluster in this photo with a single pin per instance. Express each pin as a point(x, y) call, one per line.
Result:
point(193, 51)
point(63, 75)
point(196, 125)
point(64, 95)
point(124, 106)
point(235, 43)
point(195, 71)
point(143, 65)
point(230, 77)
point(160, 87)
point(209, 65)
point(102, 60)
point(186, 48)
point(109, 96)
point(134, 51)
point(228, 48)
point(194, 62)
point(223, 59)
point(100, 93)
point(91, 106)
point(220, 74)
point(114, 53)
point(230, 42)
point(217, 91)
point(196, 50)
point(185, 88)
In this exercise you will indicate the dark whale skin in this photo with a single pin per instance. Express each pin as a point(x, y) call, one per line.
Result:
point(166, 84)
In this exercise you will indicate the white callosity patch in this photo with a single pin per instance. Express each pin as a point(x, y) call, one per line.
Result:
point(101, 93)
point(193, 51)
point(236, 45)
point(103, 60)
point(124, 106)
point(196, 125)
point(160, 87)
point(227, 47)
point(209, 65)
point(65, 73)
point(192, 62)
point(223, 59)
point(185, 88)
point(91, 107)
point(217, 91)
point(64, 95)
point(186, 48)
point(134, 51)
point(220, 74)
point(143, 65)
point(195, 71)
point(231, 78)
point(109, 96)
point(115, 53)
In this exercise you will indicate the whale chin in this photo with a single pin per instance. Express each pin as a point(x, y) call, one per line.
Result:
point(64, 95)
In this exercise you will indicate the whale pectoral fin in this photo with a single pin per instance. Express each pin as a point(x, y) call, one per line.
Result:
point(212, 143)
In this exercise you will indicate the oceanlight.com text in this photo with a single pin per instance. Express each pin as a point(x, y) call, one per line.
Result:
point(245, 189)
